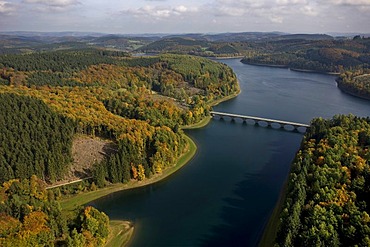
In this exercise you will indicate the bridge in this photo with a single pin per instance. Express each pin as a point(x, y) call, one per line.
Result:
point(257, 120)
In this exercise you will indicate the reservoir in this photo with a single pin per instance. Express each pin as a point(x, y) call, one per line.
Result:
point(225, 195)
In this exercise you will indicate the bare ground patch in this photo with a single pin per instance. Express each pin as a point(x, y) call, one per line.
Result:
point(86, 150)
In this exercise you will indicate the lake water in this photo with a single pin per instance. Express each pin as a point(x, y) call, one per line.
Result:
point(226, 194)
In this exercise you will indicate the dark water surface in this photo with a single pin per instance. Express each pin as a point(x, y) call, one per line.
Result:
point(226, 194)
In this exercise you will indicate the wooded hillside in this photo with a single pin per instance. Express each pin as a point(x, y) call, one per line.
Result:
point(111, 95)
point(327, 201)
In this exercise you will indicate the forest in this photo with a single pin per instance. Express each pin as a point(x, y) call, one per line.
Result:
point(310, 52)
point(327, 198)
point(34, 139)
point(31, 216)
point(334, 56)
point(320, 53)
point(139, 104)
point(356, 82)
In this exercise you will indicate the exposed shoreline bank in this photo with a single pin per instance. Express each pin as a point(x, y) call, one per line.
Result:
point(292, 69)
point(76, 200)
point(68, 204)
point(346, 91)
point(271, 228)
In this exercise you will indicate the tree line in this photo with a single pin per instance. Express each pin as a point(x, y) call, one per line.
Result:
point(327, 198)
point(356, 82)
point(34, 140)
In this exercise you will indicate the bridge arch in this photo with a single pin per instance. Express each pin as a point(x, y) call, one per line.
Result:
point(279, 124)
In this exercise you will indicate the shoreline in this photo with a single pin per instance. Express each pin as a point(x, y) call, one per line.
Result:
point(266, 65)
point(314, 71)
point(73, 201)
point(346, 91)
point(122, 230)
point(271, 227)
point(226, 57)
point(292, 69)
point(120, 233)
point(69, 203)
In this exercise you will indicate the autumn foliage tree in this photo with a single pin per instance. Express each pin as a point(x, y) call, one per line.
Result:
point(31, 217)
point(115, 97)
point(327, 196)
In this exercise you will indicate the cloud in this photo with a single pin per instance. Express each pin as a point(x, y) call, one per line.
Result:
point(351, 2)
point(276, 11)
point(276, 19)
point(289, 2)
point(309, 10)
point(6, 8)
point(54, 3)
point(49, 6)
point(235, 8)
point(160, 12)
point(138, 16)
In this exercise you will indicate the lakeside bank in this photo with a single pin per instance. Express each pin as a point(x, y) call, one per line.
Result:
point(350, 90)
point(292, 69)
point(123, 236)
point(71, 202)
point(121, 231)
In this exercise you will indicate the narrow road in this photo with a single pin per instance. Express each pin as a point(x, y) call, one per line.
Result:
point(72, 182)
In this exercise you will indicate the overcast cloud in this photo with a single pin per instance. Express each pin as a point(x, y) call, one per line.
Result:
point(180, 16)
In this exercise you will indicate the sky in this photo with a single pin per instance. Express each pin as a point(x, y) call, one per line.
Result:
point(186, 16)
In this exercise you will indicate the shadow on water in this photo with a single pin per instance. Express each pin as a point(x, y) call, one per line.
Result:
point(260, 189)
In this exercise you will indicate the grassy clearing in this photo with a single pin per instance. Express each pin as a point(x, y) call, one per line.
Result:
point(120, 233)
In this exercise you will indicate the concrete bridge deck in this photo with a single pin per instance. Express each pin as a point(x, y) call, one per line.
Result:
point(269, 121)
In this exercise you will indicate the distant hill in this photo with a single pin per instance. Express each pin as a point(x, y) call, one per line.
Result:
point(175, 44)
point(305, 37)
point(227, 44)
point(258, 46)
point(53, 34)
point(20, 42)
point(229, 37)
